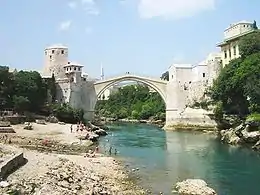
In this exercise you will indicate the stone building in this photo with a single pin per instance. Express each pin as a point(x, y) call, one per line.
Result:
point(193, 80)
point(71, 82)
point(229, 46)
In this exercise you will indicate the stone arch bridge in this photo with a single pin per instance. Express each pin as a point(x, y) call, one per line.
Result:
point(157, 84)
point(169, 91)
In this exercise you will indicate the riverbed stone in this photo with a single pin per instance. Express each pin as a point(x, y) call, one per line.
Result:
point(100, 132)
point(194, 187)
point(230, 136)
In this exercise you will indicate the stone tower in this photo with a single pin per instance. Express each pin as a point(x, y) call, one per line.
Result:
point(55, 58)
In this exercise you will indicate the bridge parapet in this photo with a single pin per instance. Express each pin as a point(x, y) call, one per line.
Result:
point(131, 76)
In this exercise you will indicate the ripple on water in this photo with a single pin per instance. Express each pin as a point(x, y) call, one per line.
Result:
point(163, 158)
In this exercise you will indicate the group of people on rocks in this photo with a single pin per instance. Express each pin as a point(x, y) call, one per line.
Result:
point(80, 127)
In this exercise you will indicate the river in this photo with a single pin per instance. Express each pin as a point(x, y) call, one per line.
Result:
point(164, 158)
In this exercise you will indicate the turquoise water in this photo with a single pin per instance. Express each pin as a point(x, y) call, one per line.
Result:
point(164, 158)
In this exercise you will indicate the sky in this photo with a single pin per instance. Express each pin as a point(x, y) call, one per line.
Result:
point(142, 37)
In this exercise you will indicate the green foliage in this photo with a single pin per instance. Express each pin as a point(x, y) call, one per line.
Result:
point(134, 101)
point(203, 104)
point(21, 103)
point(24, 90)
point(253, 117)
point(249, 44)
point(52, 87)
point(218, 111)
point(66, 113)
point(238, 85)
point(31, 86)
point(6, 87)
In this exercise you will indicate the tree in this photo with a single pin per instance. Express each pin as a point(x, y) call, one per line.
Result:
point(134, 101)
point(31, 86)
point(249, 44)
point(21, 103)
point(6, 87)
point(237, 87)
point(248, 76)
point(52, 88)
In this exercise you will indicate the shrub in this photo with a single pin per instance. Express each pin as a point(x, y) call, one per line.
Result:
point(218, 111)
point(253, 117)
point(66, 113)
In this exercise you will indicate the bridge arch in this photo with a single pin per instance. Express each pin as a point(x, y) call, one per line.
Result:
point(158, 85)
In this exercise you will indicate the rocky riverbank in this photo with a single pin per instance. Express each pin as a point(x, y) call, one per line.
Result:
point(247, 133)
point(68, 174)
point(61, 162)
point(159, 123)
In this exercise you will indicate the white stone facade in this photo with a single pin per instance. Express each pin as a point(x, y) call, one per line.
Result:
point(193, 80)
point(187, 83)
point(70, 80)
point(55, 57)
point(229, 46)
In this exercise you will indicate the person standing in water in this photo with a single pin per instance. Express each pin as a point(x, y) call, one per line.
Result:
point(71, 128)
point(110, 150)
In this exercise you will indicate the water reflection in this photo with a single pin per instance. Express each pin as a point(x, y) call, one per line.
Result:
point(167, 157)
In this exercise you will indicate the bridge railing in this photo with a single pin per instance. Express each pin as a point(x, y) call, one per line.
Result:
point(131, 74)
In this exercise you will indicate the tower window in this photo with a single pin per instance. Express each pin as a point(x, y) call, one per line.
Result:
point(52, 51)
point(75, 68)
point(234, 50)
point(230, 53)
point(225, 54)
point(79, 68)
point(50, 56)
point(203, 74)
point(62, 51)
point(45, 52)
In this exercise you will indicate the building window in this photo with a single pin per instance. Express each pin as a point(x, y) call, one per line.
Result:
point(235, 52)
point(67, 69)
point(50, 56)
point(62, 51)
point(70, 68)
point(75, 68)
point(203, 74)
point(225, 54)
point(79, 68)
point(229, 53)
point(52, 51)
point(45, 52)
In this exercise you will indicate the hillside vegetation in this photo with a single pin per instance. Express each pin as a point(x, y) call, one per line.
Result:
point(133, 102)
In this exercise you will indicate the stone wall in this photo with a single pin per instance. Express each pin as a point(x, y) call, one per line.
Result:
point(12, 164)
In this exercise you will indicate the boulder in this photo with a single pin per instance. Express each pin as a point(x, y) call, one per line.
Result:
point(194, 187)
point(52, 119)
point(61, 123)
point(250, 137)
point(230, 136)
point(93, 137)
point(256, 146)
point(28, 126)
point(5, 124)
point(41, 122)
point(100, 132)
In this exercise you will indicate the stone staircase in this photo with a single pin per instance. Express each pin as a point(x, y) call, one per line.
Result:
point(5, 127)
